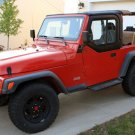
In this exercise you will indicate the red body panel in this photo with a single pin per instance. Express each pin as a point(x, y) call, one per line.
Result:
point(43, 59)
point(89, 67)
point(101, 67)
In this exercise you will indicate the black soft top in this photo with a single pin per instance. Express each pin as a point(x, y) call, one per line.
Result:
point(104, 12)
point(108, 12)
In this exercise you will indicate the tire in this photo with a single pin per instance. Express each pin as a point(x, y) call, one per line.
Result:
point(4, 100)
point(34, 108)
point(128, 83)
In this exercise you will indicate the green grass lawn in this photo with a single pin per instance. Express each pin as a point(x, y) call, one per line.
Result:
point(123, 125)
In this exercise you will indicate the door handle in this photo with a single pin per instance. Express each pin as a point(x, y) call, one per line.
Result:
point(113, 54)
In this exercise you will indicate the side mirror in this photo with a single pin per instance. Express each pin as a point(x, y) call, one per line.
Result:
point(32, 34)
point(85, 37)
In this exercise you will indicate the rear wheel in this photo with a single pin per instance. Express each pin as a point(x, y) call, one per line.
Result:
point(4, 100)
point(34, 108)
point(128, 83)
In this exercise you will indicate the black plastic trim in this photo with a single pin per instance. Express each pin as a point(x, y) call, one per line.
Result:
point(109, 12)
point(76, 88)
point(80, 48)
point(106, 84)
point(28, 77)
point(9, 70)
point(126, 63)
point(104, 12)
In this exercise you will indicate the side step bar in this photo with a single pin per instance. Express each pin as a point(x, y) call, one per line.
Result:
point(105, 84)
point(76, 88)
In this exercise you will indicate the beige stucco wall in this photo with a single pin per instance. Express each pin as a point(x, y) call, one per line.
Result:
point(32, 12)
point(71, 6)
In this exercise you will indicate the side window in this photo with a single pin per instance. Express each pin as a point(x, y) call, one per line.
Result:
point(104, 31)
point(96, 30)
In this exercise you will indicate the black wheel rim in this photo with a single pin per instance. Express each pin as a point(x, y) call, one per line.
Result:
point(36, 109)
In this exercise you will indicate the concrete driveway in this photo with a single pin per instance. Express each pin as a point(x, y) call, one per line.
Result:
point(79, 112)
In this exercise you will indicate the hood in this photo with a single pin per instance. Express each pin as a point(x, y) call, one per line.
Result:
point(14, 53)
point(31, 59)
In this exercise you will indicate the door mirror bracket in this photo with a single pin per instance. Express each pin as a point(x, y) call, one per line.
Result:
point(85, 37)
point(80, 48)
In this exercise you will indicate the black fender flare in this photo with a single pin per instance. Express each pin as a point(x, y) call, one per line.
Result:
point(126, 63)
point(20, 79)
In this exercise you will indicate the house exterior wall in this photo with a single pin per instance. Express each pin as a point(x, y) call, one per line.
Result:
point(71, 7)
point(32, 12)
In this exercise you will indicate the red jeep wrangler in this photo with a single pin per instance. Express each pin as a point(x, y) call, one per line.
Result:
point(72, 52)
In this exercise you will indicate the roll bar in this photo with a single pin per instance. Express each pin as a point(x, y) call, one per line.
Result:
point(127, 13)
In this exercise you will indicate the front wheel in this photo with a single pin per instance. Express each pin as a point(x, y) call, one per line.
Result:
point(34, 108)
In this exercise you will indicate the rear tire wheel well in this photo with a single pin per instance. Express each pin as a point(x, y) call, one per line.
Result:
point(127, 83)
point(132, 62)
point(130, 66)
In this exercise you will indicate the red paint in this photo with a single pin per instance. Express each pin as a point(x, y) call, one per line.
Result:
point(89, 66)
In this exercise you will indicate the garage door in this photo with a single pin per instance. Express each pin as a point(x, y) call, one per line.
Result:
point(113, 6)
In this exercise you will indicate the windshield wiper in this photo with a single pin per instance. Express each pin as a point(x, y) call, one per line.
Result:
point(47, 41)
point(62, 40)
point(59, 37)
point(43, 36)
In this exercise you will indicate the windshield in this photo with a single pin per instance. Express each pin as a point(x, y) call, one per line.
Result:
point(67, 28)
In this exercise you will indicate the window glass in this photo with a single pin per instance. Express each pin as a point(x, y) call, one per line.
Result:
point(67, 27)
point(103, 31)
point(96, 29)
